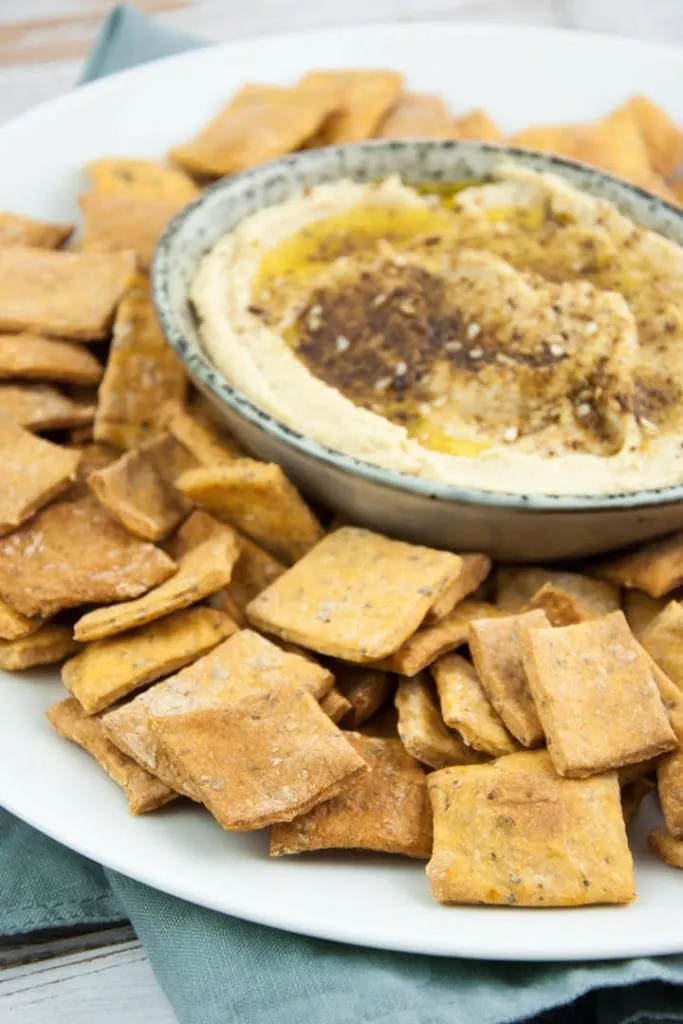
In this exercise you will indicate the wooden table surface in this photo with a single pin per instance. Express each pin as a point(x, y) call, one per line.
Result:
point(104, 977)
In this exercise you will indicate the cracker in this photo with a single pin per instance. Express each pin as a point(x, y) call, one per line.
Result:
point(125, 223)
point(33, 471)
point(133, 492)
point(466, 707)
point(143, 378)
point(663, 137)
point(671, 695)
point(366, 690)
point(383, 724)
point(110, 669)
point(518, 586)
point(385, 810)
point(422, 729)
point(73, 553)
point(260, 123)
point(364, 99)
point(143, 791)
point(357, 595)
point(92, 457)
point(497, 656)
point(416, 115)
point(476, 124)
point(258, 499)
point(665, 847)
point(663, 640)
point(169, 457)
point(596, 696)
point(430, 642)
point(335, 705)
point(67, 294)
point(201, 571)
point(632, 796)
point(30, 357)
point(13, 625)
point(474, 569)
point(200, 434)
point(495, 824)
point(240, 666)
point(656, 568)
point(16, 230)
point(670, 789)
point(42, 407)
point(143, 179)
point(44, 646)
point(640, 609)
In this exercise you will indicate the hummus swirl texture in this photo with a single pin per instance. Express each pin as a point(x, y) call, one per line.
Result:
point(523, 337)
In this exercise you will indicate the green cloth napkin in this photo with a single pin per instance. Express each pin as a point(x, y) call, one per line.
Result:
point(219, 970)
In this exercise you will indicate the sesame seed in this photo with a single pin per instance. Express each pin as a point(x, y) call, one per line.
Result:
point(382, 383)
point(399, 260)
point(424, 409)
point(591, 328)
point(342, 343)
point(556, 350)
point(379, 300)
point(453, 346)
point(473, 331)
point(649, 427)
point(400, 369)
point(511, 434)
point(476, 353)
point(583, 410)
point(439, 403)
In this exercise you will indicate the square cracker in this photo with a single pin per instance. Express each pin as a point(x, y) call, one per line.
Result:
point(518, 586)
point(666, 847)
point(431, 641)
point(42, 407)
point(476, 124)
point(364, 98)
point(670, 789)
point(258, 499)
point(497, 656)
point(144, 179)
point(108, 670)
point(596, 696)
point(663, 641)
point(133, 492)
point(16, 230)
point(31, 357)
point(196, 429)
point(465, 707)
point(125, 223)
point(656, 568)
point(335, 705)
point(663, 137)
point(201, 572)
point(261, 122)
point(143, 381)
point(474, 569)
point(386, 810)
point(267, 757)
point(640, 609)
point(67, 294)
point(13, 625)
point(422, 729)
point(244, 664)
point(416, 115)
point(366, 689)
point(33, 471)
point(495, 824)
point(44, 646)
point(73, 553)
point(143, 791)
point(357, 595)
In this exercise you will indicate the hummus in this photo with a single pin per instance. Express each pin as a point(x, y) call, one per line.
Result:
point(519, 336)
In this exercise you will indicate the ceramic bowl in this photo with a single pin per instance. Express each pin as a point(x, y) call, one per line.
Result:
point(511, 527)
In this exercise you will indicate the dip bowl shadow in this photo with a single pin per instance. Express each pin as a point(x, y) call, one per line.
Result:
point(511, 527)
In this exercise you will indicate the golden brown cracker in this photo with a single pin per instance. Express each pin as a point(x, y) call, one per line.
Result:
point(44, 646)
point(663, 641)
point(42, 407)
point(143, 179)
point(133, 492)
point(666, 847)
point(366, 689)
point(198, 527)
point(33, 471)
point(201, 435)
point(73, 553)
point(518, 586)
point(14, 625)
point(143, 791)
point(335, 705)
point(201, 572)
point(364, 99)
point(640, 609)
point(495, 824)
point(663, 137)
point(242, 665)
point(67, 294)
point(356, 596)
point(169, 457)
point(108, 670)
point(422, 729)
point(386, 809)
point(143, 381)
point(31, 357)
point(465, 707)
point(431, 641)
point(655, 567)
point(258, 499)
point(474, 569)
point(384, 724)
point(416, 115)
point(16, 230)
point(497, 656)
point(125, 223)
point(92, 457)
point(670, 789)
point(261, 122)
point(595, 695)
point(632, 796)
point(476, 124)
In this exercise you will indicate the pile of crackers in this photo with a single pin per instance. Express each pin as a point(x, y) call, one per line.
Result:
point(222, 641)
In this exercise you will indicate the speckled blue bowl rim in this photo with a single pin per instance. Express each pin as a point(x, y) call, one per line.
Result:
point(192, 356)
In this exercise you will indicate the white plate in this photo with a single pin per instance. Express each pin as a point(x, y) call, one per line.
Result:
point(522, 76)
